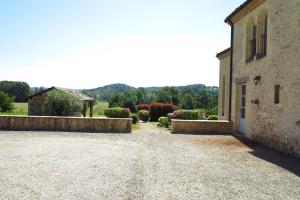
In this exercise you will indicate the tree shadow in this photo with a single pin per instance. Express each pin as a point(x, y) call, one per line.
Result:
point(280, 159)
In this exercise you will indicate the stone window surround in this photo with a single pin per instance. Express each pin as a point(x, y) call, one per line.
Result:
point(258, 55)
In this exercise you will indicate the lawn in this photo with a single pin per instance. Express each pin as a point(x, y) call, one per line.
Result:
point(19, 109)
point(99, 108)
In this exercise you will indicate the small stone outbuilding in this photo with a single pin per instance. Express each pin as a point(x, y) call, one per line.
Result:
point(36, 101)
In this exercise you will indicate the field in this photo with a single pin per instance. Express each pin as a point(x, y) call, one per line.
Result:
point(19, 109)
point(99, 108)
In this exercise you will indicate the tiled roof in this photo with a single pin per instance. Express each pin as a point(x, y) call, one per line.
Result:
point(223, 52)
point(71, 92)
point(237, 10)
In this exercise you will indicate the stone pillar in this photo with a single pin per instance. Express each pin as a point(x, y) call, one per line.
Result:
point(84, 109)
point(91, 108)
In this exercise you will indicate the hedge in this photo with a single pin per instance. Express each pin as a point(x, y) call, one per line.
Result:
point(117, 112)
point(187, 114)
point(158, 110)
point(212, 117)
point(143, 107)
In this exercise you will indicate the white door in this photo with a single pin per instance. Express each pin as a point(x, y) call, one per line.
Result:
point(243, 110)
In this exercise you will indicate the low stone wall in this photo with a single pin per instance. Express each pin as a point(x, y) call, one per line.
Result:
point(202, 126)
point(74, 124)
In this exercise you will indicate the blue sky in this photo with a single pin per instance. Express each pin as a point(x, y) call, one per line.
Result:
point(90, 43)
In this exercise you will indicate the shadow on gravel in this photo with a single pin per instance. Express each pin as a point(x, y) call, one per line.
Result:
point(282, 160)
point(202, 133)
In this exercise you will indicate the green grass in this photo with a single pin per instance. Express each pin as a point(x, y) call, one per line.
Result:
point(135, 126)
point(19, 109)
point(99, 108)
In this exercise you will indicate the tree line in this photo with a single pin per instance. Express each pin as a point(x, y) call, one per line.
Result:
point(18, 90)
point(184, 99)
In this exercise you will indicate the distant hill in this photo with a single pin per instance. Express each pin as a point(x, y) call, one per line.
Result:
point(105, 92)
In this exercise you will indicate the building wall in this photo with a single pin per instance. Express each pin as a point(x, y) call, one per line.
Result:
point(224, 73)
point(275, 125)
point(35, 105)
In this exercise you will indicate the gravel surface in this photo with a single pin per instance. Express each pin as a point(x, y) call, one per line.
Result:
point(147, 164)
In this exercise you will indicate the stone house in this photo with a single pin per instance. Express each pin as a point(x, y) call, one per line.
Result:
point(260, 73)
point(36, 101)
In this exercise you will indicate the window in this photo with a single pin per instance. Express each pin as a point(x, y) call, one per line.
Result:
point(277, 94)
point(250, 40)
point(262, 34)
point(243, 102)
point(223, 96)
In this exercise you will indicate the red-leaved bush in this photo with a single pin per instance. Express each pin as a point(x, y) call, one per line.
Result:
point(158, 110)
point(143, 107)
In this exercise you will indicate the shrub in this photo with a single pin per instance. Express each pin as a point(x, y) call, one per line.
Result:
point(212, 117)
point(170, 117)
point(58, 103)
point(143, 107)
point(158, 110)
point(187, 114)
point(117, 112)
point(6, 102)
point(164, 122)
point(212, 111)
point(144, 115)
point(201, 114)
point(135, 118)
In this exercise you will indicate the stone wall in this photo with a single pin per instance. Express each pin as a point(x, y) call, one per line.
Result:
point(224, 72)
point(36, 105)
point(74, 124)
point(201, 126)
point(275, 125)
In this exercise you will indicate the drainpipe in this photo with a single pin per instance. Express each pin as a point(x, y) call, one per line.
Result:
point(230, 69)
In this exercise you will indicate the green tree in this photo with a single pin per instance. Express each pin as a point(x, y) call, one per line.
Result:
point(141, 95)
point(58, 103)
point(174, 94)
point(115, 100)
point(163, 96)
point(203, 99)
point(17, 89)
point(126, 100)
point(6, 102)
point(129, 101)
point(188, 101)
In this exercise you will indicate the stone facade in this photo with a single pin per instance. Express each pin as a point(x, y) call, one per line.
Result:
point(277, 74)
point(224, 81)
point(36, 105)
point(36, 101)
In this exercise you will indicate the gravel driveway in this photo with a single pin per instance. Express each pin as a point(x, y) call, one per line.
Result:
point(147, 164)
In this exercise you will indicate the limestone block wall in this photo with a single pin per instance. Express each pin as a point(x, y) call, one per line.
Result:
point(224, 82)
point(73, 124)
point(201, 126)
point(35, 105)
point(275, 125)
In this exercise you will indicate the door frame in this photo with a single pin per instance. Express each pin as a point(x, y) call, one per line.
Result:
point(242, 108)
